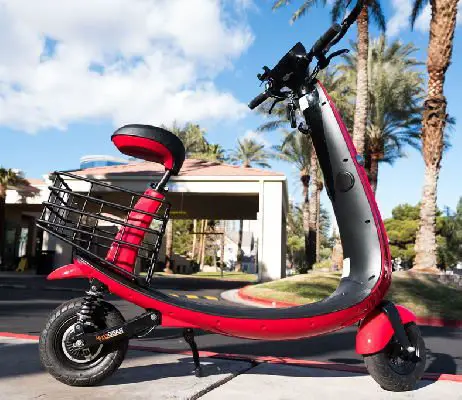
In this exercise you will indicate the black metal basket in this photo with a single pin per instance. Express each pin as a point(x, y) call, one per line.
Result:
point(89, 223)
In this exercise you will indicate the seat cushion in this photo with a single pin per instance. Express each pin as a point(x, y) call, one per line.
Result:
point(151, 143)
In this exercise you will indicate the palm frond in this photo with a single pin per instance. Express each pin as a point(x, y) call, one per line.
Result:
point(417, 8)
point(377, 14)
point(280, 3)
point(338, 9)
point(304, 8)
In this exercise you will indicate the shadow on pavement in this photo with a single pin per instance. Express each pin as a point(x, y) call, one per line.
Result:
point(19, 360)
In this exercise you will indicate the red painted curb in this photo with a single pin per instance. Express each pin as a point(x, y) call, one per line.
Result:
point(18, 336)
point(439, 322)
point(425, 321)
point(266, 302)
point(262, 359)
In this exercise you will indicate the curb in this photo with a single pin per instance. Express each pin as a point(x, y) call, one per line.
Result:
point(424, 321)
point(269, 303)
point(431, 376)
point(45, 288)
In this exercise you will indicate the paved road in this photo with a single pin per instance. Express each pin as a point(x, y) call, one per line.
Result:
point(146, 375)
point(25, 311)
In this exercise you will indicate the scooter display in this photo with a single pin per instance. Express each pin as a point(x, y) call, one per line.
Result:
point(85, 340)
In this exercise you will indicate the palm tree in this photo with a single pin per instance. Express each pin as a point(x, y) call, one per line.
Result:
point(319, 217)
point(395, 96)
point(374, 7)
point(192, 136)
point(8, 177)
point(211, 152)
point(442, 26)
point(247, 153)
point(297, 150)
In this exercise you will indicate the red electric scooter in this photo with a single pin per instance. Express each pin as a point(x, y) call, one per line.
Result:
point(85, 340)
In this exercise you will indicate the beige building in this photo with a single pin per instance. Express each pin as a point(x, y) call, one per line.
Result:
point(203, 190)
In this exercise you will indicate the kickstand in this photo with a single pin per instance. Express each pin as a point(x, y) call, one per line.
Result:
point(188, 335)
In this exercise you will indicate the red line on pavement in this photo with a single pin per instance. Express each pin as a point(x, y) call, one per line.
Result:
point(18, 336)
point(261, 359)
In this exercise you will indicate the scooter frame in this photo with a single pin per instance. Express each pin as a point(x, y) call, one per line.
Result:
point(359, 298)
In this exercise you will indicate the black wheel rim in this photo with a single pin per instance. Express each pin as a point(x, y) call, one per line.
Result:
point(399, 361)
point(59, 342)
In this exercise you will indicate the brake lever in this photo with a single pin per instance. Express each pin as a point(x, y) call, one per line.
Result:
point(323, 62)
point(273, 105)
point(336, 54)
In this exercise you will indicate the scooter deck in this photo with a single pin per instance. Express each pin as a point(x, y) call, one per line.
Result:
point(348, 294)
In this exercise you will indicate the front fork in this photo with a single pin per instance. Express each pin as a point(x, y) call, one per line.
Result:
point(378, 328)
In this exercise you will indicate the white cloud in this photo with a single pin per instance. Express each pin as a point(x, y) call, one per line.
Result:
point(143, 61)
point(256, 136)
point(402, 12)
point(422, 22)
point(400, 20)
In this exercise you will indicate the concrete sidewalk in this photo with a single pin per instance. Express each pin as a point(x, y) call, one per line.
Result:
point(148, 375)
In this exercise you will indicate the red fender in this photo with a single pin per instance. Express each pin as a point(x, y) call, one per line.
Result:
point(80, 270)
point(76, 270)
point(376, 330)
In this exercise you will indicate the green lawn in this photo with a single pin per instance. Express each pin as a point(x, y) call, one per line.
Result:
point(421, 293)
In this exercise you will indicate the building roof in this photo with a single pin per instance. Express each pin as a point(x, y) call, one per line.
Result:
point(191, 167)
point(35, 181)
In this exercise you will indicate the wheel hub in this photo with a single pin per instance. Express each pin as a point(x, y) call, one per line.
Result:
point(400, 361)
point(75, 350)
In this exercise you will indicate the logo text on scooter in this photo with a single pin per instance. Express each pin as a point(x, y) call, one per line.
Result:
point(111, 334)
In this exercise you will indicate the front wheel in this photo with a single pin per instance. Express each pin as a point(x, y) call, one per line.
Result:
point(70, 364)
point(392, 370)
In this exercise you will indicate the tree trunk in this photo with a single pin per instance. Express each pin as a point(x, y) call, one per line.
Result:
point(312, 215)
point(194, 244)
point(374, 171)
point(169, 247)
point(204, 246)
point(239, 246)
point(318, 221)
point(443, 22)
point(362, 90)
point(337, 254)
point(222, 252)
point(425, 245)
point(2, 223)
point(201, 239)
point(305, 178)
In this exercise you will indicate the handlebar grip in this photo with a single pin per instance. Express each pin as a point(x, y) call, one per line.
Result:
point(258, 100)
point(325, 39)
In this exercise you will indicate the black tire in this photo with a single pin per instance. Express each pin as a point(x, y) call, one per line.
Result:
point(58, 360)
point(393, 373)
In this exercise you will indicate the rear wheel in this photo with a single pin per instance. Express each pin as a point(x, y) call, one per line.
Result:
point(72, 364)
point(392, 370)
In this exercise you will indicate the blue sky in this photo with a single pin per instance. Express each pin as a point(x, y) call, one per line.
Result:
point(69, 78)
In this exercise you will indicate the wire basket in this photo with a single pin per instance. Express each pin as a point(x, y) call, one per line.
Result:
point(111, 226)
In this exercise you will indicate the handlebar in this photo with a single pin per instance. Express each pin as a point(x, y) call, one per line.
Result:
point(325, 39)
point(291, 71)
point(258, 100)
point(347, 22)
